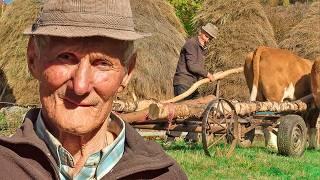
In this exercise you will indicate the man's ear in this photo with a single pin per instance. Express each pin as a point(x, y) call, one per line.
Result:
point(130, 68)
point(32, 57)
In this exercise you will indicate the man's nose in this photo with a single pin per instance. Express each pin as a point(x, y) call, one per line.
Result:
point(82, 81)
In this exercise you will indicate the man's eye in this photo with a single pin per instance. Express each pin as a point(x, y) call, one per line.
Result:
point(66, 57)
point(102, 63)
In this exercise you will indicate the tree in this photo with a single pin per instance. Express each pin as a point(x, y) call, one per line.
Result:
point(186, 10)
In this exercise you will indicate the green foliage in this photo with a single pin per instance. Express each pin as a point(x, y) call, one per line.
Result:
point(3, 122)
point(256, 162)
point(10, 119)
point(186, 10)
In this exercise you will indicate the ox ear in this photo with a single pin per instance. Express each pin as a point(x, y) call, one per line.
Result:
point(32, 57)
point(129, 72)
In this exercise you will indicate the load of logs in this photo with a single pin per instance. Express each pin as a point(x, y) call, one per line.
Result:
point(150, 110)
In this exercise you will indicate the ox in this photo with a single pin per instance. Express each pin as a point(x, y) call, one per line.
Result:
point(315, 82)
point(276, 75)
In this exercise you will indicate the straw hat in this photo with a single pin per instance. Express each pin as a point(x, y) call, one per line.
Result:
point(211, 29)
point(85, 18)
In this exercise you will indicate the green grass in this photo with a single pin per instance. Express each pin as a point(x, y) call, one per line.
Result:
point(256, 162)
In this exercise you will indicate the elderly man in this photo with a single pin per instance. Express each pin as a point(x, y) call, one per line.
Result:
point(190, 68)
point(82, 54)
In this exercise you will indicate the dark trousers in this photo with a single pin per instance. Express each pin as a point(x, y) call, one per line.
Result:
point(179, 89)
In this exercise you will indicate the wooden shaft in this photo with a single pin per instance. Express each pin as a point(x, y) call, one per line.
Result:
point(181, 128)
point(217, 76)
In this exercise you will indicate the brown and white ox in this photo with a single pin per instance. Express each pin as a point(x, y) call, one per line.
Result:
point(276, 75)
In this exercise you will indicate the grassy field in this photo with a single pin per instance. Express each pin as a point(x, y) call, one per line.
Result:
point(256, 162)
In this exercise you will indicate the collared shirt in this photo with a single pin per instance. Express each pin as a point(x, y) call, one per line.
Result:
point(98, 164)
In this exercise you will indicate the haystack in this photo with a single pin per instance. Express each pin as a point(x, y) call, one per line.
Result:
point(157, 55)
point(243, 26)
point(15, 19)
point(284, 18)
point(304, 38)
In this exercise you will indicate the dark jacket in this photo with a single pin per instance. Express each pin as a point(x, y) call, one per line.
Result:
point(190, 67)
point(26, 156)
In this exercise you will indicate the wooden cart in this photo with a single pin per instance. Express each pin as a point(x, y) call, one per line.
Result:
point(294, 123)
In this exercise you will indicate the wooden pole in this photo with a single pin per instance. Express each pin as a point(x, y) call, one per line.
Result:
point(217, 76)
point(123, 106)
point(182, 128)
point(2, 7)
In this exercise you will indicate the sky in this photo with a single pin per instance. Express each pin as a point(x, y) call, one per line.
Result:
point(8, 1)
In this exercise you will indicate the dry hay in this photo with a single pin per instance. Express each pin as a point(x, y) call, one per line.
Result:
point(157, 55)
point(304, 38)
point(283, 18)
point(2, 7)
point(15, 19)
point(243, 26)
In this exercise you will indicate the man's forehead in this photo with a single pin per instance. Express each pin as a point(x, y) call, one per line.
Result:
point(86, 41)
point(95, 43)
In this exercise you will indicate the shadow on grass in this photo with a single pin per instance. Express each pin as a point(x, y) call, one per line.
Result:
point(218, 149)
point(181, 145)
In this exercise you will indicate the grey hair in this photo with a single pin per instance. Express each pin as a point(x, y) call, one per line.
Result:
point(41, 41)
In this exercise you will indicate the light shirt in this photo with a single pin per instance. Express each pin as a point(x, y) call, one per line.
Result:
point(98, 164)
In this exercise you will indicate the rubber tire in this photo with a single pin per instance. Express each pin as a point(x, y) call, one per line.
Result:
point(288, 124)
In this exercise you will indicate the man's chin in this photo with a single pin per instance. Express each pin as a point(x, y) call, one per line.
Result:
point(78, 120)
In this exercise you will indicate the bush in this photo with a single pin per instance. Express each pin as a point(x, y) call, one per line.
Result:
point(3, 123)
point(11, 118)
point(186, 10)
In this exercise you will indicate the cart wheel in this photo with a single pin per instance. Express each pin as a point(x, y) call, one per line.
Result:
point(218, 118)
point(292, 135)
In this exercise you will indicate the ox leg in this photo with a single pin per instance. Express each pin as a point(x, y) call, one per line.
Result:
point(254, 92)
point(270, 138)
point(313, 124)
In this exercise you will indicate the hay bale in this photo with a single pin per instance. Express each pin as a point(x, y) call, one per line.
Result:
point(243, 25)
point(157, 55)
point(283, 18)
point(15, 19)
point(304, 38)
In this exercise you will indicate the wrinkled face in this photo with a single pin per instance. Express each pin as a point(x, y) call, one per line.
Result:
point(205, 37)
point(78, 78)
